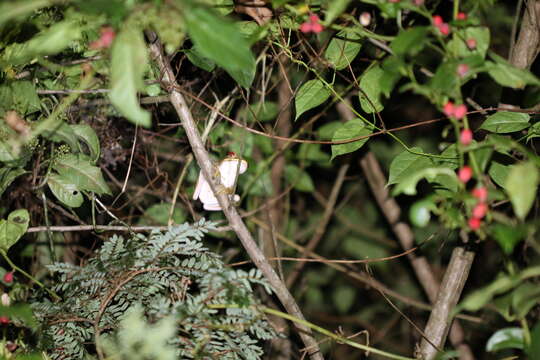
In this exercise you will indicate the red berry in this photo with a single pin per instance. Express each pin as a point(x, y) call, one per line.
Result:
point(444, 29)
point(460, 111)
point(474, 223)
point(480, 210)
point(306, 27)
point(418, 2)
point(448, 109)
point(461, 16)
point(480, 193)
point(471, 43)
point(8, 277)
point(314, 19)
point(465, 174)
point(4, 320)
point(317, 28)
point(437, 20)
point(462, 70)
point(465, 137)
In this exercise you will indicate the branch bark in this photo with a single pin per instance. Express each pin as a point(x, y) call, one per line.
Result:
point(204, 162)
point(527, 45)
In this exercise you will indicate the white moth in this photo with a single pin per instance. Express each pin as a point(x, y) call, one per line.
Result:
point(229, 169)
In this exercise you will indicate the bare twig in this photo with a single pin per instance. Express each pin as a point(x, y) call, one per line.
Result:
point(74, 228)
point(204, 162)
point(321, 228)
point(526, 48)
point(452, 285)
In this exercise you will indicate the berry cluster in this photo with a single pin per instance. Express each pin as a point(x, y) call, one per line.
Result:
point(4, 298)
point(105, 40)
point(313, 25)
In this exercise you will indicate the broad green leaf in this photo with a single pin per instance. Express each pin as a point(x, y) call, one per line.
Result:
point(349, 130)
point(87, 134)
point(10, 10)
point(524, 298)
point(25, 98)
point(63, 133)
point(49, 41)
point(12, 229)
point(158, 214)
point(521, 185)
point(311, 94)
point(507, 75)
point(326, 131)
point(299, 178)
point(313, 152)
point(219, 40)
point(477, 299)
point(408, 184)
point(534, 131)
point(410, 41)
point(407, 164)
point(370, 90)
point(7, 175)
point(261, 111)
point(445, 83)
point(343, 48)
point(335, 8)
point(65, 191)
point(507, 236)
point(128, 63)
point(533, 351)
point(458, 43)
point(199, 60)
point(7, 153)
point(79, 170)
point(498, 173)
point(507, 338)
point(22, 312)
point(506, 122)
point(343, 297)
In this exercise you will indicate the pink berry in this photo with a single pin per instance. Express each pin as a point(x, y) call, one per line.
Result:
point(4, 320)
point(448, 109)
point(306, 27)
point(480, 210)
point(418, 2)
point(314, 19)
point(465, 174)
point(460, 111)
point(317, 28)
point(465, 137)
point(471, 43)
point(444, 29)
point(474, 223)
point(480, 193)
point(437, 20)
point(461, 16)
point(8, 277)
point(365, 18)
point(462, 70)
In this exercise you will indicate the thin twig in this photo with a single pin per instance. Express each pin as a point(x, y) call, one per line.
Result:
point(74, 228)
point(204, 162)
point(321, 228)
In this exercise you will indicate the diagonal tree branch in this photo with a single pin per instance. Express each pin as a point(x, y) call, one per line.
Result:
point(207, 168)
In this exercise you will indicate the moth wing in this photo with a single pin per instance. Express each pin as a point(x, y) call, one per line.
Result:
point(200, 182)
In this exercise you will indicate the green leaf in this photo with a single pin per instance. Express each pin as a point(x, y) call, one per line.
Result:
point(507, 75)
point(335, 8)
point(49, 41)
point(311, 94)
point(342, 49)
point(7, 153)
point(370, 86)
point(326, 131)
point(477, 299)
point(220, 41)
point(349, 130)
point(158, 214)
point(25, 98)
point(199, 60)
point(408, 184)
point(261, 111)
point(343, 297)
point(521, 185)
point(12, 229)
point(407, 164)
point(445, 82)
point(506, 122)
point(313, 152)
point(458, 44)
point(498, 173)
point(7, 175)
point(299, 178)
point(507, 338)
point(420, 212)
point(63, 133)
point(78, 170)
point(65, 191)
point(410, 41)
point(22, 312)
point(128, 63)
point(524, 298)
point(507, 236)
point(11, 10)
point(87, 134)
point(533, 351)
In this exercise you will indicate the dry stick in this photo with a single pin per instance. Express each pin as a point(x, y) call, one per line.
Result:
point(321, 228)
point(422, 269)
point(527, 45)
point(207, 168)
point(449, 293)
